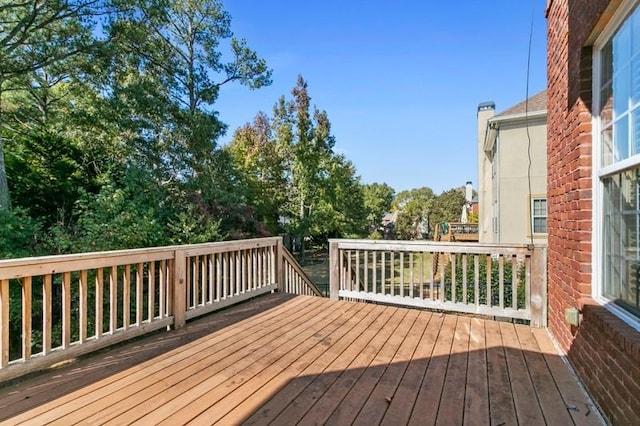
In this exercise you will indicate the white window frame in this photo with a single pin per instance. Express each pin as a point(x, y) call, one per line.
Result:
point(533, 216)
point(599, 172)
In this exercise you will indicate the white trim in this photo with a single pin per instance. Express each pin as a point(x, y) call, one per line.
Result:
point(612, 26)
point(626, 316)
point(531, 115)
point(596, 183)
point(599, 172)
point(619, 166)
point(533, 216)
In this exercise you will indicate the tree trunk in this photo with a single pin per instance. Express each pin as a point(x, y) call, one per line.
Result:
point(5, 203)
point(4, 185)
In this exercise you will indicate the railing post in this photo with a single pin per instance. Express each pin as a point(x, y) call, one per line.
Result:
point(334, 270)
point(539, 286)
point(282, 285)
point(179, 289)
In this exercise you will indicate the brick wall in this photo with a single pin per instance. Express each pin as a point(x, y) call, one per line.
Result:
point(603, 349)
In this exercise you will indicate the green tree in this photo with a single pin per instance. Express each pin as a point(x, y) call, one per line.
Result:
point(447, 207)
point(262, 163)
point(171, 51)
point(35, 35)
point(340, 210)
point(414, 207)
point(377, 201)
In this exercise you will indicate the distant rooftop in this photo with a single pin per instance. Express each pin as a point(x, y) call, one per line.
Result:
point(537, 103)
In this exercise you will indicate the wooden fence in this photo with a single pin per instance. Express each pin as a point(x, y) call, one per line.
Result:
point(54, 308)
point(487, 279)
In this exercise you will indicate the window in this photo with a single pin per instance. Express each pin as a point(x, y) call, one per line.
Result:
point(617, 135)
point(539, 215)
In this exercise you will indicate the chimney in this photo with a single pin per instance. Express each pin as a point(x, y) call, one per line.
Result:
point(468, 193)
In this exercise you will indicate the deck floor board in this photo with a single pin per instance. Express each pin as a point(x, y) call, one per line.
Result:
point(282, 359)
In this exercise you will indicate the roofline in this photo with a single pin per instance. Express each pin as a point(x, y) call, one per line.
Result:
point(517, 117)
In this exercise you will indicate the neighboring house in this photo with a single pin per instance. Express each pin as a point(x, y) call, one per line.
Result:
point(594, 196)
point(512, 171)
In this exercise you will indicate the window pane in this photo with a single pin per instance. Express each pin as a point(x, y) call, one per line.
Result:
point(539, 225)
point(635, 130)
point(622, 47)
point(635, 78)
point(635, 32)
point(621, 90)
point(607, 146)
point(606, 105)
point(539, 207)
point(606, 64)
point(622, 239)
point(621, 138)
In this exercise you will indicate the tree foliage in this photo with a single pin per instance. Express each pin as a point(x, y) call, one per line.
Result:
point(108, 127)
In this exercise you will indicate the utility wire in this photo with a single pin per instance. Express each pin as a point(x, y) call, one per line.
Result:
point(526, 120)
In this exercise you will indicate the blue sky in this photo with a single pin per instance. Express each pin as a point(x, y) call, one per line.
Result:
point(400, 81)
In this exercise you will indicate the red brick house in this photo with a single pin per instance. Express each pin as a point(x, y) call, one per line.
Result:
point(593, 157)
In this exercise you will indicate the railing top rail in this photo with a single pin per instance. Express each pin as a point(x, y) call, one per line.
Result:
point(294, 263)
point(15, 268)
point(434, 246)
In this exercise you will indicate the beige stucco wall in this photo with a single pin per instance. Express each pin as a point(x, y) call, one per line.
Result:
point(484, 179)
point(511, 185)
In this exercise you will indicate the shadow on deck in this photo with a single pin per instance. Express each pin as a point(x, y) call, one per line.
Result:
point(286, 359)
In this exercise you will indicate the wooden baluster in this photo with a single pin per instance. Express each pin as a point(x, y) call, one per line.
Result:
point(225, 275)
point(515, 281)
point(113, 299)
point(239, 283)
point(392, 272)
point(172, 276)
point(401, 274)
point(454, 288)
point(66, 310)
point(488, 274)
point(163, 282)
point(411, 266)
point(4, 326)
point(99, 302)
point(357, 270)
point(422, 259)
point(375, 272)
point(501, 281)
point(47, 302)
point(203, 280)
point(527, 282)
point(83, 287)
point(349, 271)
point(26, 318)
point(431, 275)
point(212, 278)
point(366, 271)
point(476, 279)
point(139, 284)
point(193, 276)
point(126, 297)
point(218, 276)
point(151, 292)
point(464, 279)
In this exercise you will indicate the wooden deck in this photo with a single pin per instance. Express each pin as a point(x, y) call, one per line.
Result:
point(283, 359)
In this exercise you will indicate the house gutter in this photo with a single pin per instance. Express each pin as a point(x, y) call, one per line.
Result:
point(495, 122)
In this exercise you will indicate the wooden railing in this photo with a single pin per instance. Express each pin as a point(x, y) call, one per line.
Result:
point(55, 308)
point(487, 279)
point(297, 281)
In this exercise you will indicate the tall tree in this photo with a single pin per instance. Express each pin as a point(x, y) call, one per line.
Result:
point(414, 207)
point(262, 163)
point(377, 201)
point(174, 47)
point(35, 34)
